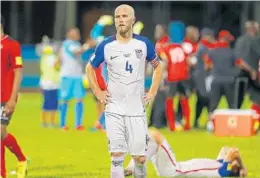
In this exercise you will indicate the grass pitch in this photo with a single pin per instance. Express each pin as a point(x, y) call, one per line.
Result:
point(73, 154)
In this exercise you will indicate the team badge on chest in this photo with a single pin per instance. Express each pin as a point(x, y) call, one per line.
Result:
point(139, 53)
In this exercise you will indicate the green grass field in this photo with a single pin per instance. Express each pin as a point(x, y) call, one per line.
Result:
point(57, 154)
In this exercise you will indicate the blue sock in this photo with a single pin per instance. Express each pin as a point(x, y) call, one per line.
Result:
point(79, 113)
point(63, 113)
point(102, 120)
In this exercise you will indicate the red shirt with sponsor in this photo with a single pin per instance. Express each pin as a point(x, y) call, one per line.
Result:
point(10, 60)
point(178, 68)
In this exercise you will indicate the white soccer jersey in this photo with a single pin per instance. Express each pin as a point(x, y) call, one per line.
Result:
point(166, 165)
point(126, 72)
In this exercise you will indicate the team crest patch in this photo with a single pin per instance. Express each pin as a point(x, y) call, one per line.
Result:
point(139, 53)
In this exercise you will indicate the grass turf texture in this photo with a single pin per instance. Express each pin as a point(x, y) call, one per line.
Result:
point(57, 154)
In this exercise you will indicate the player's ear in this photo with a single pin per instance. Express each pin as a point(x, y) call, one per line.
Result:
point(134, 19)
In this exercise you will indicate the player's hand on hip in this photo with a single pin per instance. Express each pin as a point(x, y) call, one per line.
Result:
point(103, 96)
point(148, 98)
point(9, 106)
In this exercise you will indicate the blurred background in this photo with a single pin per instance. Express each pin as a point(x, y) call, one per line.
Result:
point(29, 21)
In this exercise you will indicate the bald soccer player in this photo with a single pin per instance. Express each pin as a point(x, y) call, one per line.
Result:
point(126, 54)
point(227, 164)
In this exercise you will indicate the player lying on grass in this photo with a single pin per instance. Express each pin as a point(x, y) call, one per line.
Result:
point(227, 164)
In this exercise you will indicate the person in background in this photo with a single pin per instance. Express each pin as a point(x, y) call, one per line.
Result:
point(70, 58)
point(205, 44)
point(190, 45)
point(221, 61)
point(49, 83)
point(247, 47)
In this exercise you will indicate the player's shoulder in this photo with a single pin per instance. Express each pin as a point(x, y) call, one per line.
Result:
point(11, 40)
point(107, 41)
point(142, 38)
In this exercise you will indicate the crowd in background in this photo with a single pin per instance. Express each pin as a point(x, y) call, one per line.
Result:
point(210, 68)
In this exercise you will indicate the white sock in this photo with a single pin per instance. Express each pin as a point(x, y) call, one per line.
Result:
point(139, 170)
point(117, 169)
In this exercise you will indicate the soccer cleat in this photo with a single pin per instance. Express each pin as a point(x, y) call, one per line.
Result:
point(80, 128)
point(128, 172)
point(22, 169)
point(65, 128)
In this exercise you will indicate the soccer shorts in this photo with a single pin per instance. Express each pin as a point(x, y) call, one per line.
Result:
point(50, 98)
point(179, 87)
point(72, 88)
point(5, 118)
point(127, 134)
point(164, 161)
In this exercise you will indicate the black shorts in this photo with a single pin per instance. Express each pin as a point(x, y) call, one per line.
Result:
point(179, 88)
point(5, 119)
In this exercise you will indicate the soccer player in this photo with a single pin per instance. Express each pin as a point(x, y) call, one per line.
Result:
point(178, 61)
point(11, 76)
point(49, 83)
point(125, 54)
point(221, 61)
point(71, 81)
point(227, 164)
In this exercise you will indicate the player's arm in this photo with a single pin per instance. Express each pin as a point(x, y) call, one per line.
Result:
point(16, 62)
point(95, 61)
point(223, 152)
point(244, 66)
point(158, 71)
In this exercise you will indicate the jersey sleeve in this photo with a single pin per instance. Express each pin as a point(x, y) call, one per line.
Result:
point(98, 57)
point(225, 169)
point(151, 53)
point(16, 59)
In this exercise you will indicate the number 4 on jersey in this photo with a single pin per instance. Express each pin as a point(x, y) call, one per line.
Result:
point(128, 67)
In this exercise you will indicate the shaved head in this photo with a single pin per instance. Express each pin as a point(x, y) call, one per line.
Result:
point(125, 8)
point(124, 19)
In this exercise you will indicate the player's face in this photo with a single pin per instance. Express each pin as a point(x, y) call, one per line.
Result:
point(124, 20)
point(75, 34)
point(159, 32)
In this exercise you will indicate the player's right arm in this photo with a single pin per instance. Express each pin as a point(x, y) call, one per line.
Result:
point(95, 61)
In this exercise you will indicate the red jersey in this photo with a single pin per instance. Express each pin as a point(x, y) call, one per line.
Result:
point(178, 68)
point(10, 59)
point(159, 46)
point(189, 47)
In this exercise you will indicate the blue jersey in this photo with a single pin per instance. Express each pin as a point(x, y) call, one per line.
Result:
point(71, 64)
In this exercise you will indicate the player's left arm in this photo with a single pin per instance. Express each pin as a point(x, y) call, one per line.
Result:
point(17, 65)
point(158, 71)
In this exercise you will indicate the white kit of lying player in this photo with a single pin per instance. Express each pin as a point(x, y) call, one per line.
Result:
point(126, 123)
point(165, 163)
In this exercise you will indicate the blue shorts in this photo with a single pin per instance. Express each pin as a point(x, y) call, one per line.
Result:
point(71, 88)
point(50, 98)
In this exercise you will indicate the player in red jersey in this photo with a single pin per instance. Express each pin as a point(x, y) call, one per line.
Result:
point(11, 76)
point(177, 60)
